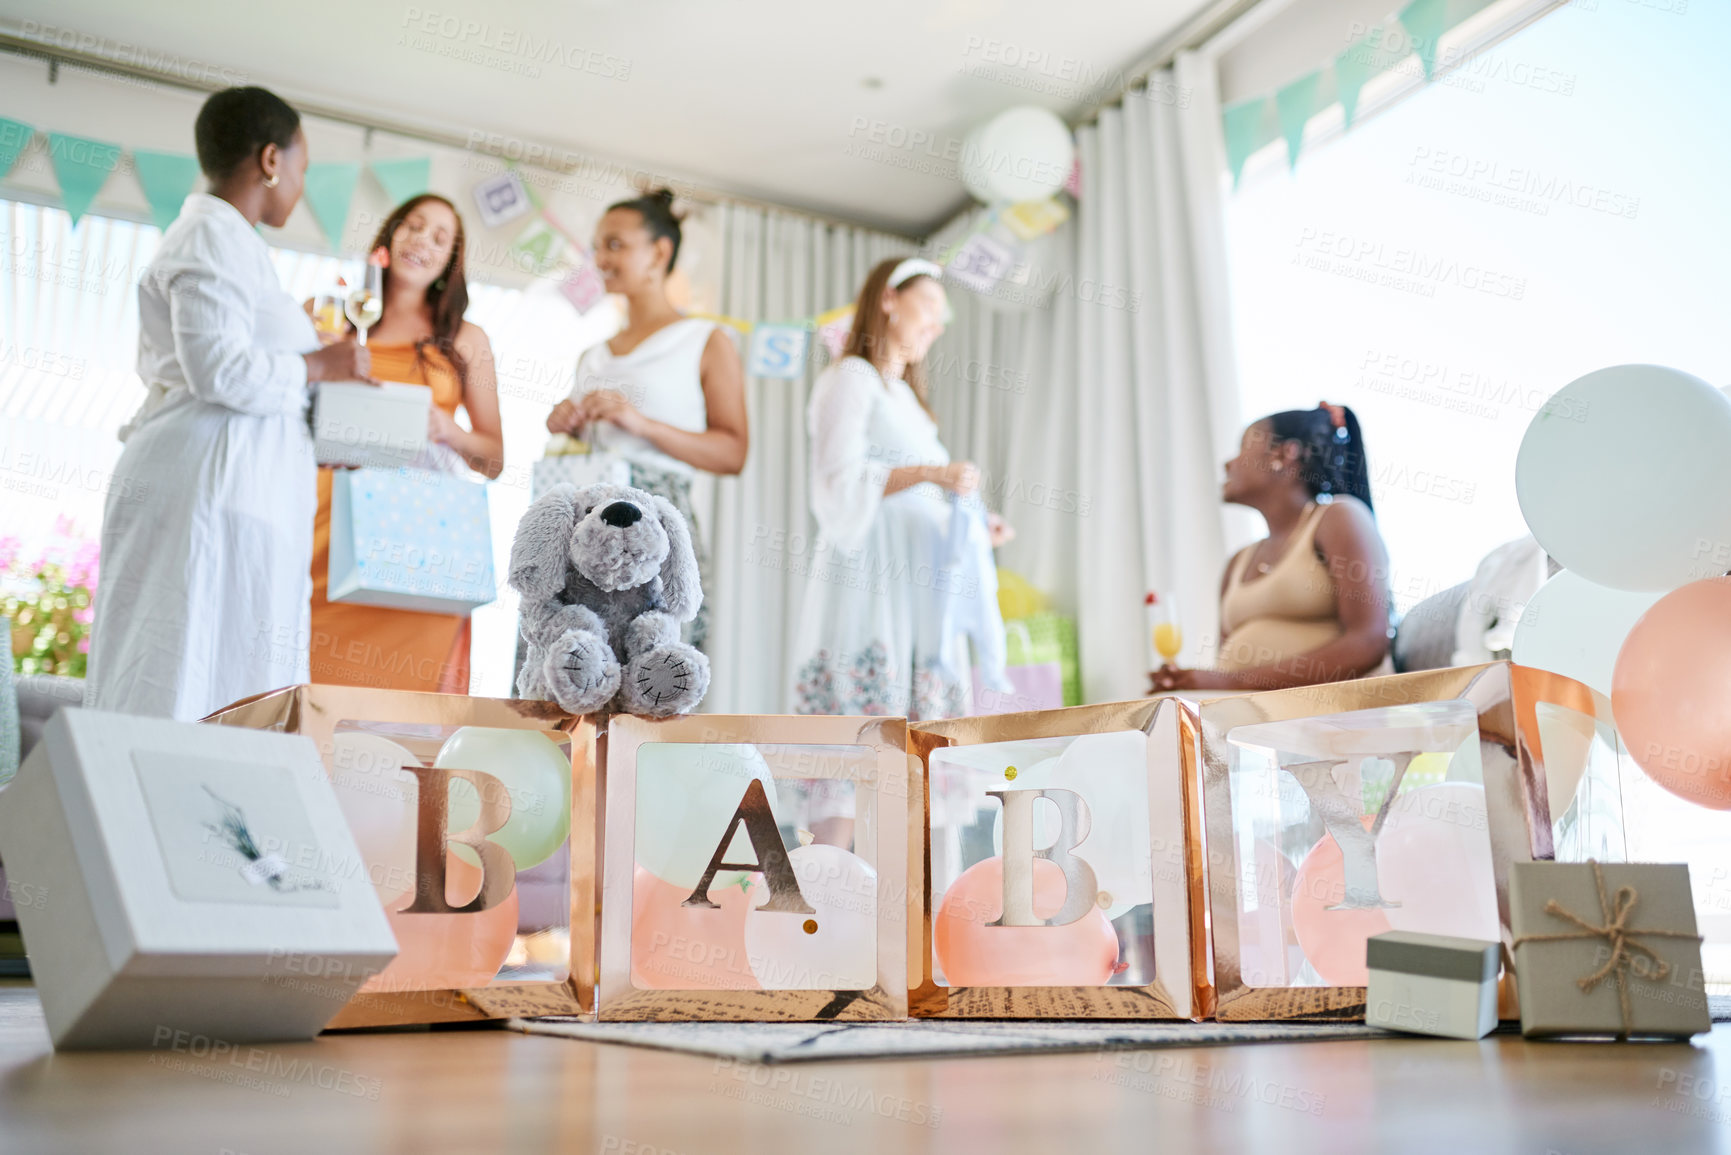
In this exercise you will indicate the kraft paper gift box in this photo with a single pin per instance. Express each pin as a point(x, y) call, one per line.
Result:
point(756, 868)
point(1432, 984)
point(1064, 874)
point(1337, 812)
point(185, 883)
point(1607, 950)
point(373, 425)
point(410, 539)
point(419, 776)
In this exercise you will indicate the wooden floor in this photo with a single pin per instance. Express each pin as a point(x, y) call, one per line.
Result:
point(495, 1090)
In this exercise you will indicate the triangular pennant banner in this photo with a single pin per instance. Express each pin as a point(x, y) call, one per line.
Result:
point(1247, 128)
point(82, 167)
point(329, 189)
point(1352, 68)
point(14, 139)
point(166, 178)
point(1425, 21)
point(402, 179)
point(1294, 103)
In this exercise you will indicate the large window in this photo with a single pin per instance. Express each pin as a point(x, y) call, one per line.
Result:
point(69, 339)
point(1446, 266)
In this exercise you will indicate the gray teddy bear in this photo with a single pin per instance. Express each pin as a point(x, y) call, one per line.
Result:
point(607, 574)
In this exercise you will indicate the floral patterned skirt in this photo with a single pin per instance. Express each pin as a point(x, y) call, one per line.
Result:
point(870, 638)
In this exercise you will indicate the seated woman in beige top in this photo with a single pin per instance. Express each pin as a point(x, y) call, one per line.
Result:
point(1308, 603)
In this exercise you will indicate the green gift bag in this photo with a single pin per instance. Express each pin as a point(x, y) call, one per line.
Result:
point(1046, 637)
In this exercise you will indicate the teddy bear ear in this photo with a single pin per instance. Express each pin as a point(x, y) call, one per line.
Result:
point(540, 550)
point(681, 588)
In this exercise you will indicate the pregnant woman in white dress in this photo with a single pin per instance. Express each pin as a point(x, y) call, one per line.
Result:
point(872, 637)
point(207, 529)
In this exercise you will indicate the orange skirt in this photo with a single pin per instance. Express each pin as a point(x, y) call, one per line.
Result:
point(355, 645)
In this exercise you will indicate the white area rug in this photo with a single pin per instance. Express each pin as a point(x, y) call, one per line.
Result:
point(800, 1042)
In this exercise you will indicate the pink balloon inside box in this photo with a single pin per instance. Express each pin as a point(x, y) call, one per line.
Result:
point(1060, 876)
point(1341, 812)
point(756, 868)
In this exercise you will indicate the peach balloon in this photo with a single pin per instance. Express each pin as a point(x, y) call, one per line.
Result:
point(678, 947)
point(1333, 940)
point(1671, 692)
point(973, 954)
point(436, 951)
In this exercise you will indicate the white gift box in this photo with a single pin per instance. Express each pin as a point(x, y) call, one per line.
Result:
point(1432, 984)
point(194, 882)
point(359, 424)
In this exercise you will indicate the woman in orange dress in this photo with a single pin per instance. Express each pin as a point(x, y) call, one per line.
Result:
point(421, 339)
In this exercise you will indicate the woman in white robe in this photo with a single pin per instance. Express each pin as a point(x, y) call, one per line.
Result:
point(873, 636)
point(207, 528)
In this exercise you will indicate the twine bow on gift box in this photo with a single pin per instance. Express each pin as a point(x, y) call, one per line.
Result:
point(1621, 936)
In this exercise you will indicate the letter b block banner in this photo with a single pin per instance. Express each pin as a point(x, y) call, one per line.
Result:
point(756, 868)
point(1065, 873)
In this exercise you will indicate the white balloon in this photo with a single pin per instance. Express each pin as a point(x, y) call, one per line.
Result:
point(1022, 154)
point(1621, 478)
point(686, 794)
point(975, 172)
point(1110, 772)
point(378, 797)
point(833, 948)
point(1575, 627)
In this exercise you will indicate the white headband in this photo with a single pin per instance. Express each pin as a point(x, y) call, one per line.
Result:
point(914, 267)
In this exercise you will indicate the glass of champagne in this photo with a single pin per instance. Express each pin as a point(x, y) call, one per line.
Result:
point(366, 302)
point(1168, 635)
point(328, 314)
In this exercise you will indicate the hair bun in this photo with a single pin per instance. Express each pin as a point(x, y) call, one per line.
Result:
point(662, 197)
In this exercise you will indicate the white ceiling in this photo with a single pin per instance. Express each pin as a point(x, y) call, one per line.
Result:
point(768, 99)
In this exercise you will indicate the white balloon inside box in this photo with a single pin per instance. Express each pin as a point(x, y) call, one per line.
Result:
point(687, 793)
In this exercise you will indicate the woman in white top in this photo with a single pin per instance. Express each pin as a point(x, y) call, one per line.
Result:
point(667, 393)
point(207, 529)
point(872, 635)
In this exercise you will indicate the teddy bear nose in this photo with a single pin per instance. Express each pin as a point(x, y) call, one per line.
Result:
point(621, 514)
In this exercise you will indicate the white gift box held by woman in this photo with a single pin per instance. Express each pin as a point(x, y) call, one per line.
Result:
point(199, 886)
point(378, 425)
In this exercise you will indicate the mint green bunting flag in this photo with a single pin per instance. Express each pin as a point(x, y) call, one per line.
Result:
point(1425, 21)
point(329, 189)
point(402, 179)
point(166, 178)
point(1352, 68)
point(14, 139)
point(1293, 104)
point(1247, 127)
point(82, 167)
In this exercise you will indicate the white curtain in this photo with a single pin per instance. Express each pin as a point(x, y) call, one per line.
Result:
point(775, 266)
point(1101, 413)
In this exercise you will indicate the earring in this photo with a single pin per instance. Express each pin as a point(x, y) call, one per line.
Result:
point(1279, 466)
point(271, 180)
point(439, 285)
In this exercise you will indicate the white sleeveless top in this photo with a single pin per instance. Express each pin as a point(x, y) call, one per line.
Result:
point(662, 377)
